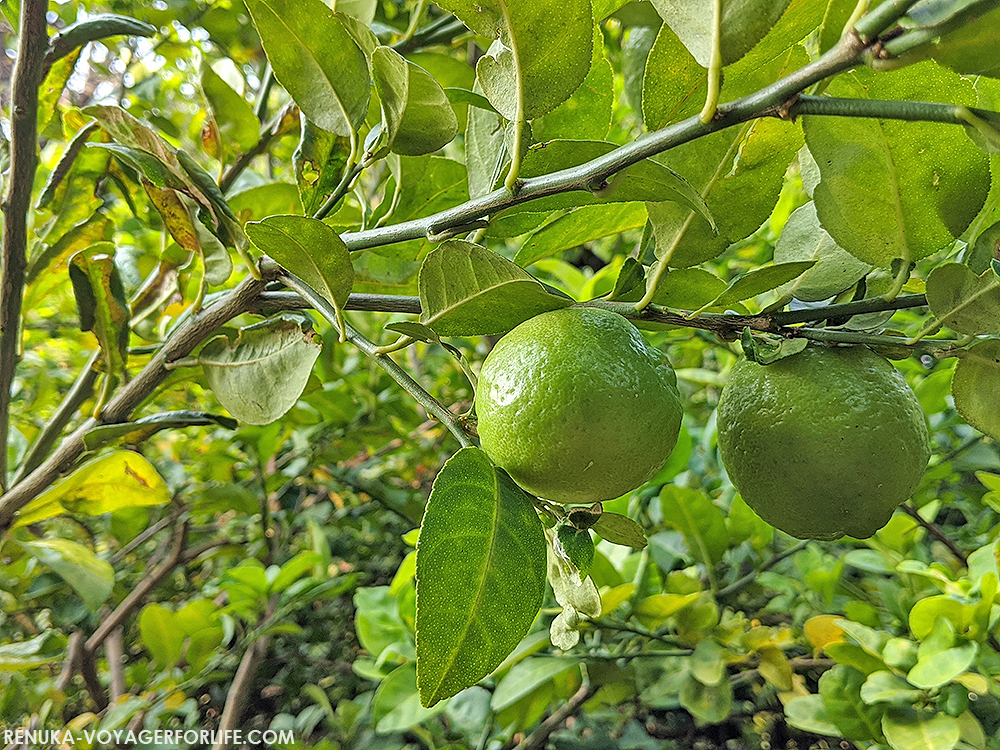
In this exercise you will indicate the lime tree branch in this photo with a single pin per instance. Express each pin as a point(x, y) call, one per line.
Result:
point(886, 109)
point(32, 44)
point(118, 409)
point(397, 373)
point(777, 100)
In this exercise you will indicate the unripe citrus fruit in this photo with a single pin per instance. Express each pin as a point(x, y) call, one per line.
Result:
point(576, 407)
point(824, 443)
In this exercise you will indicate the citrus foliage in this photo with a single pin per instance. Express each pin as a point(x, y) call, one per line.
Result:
point(227, 503)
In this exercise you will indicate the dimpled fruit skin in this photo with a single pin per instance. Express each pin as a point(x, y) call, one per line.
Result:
point(824, 443)
point(576, 407)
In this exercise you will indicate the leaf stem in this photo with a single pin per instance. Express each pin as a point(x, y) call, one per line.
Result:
point(397, 373)
point(517, 155)
point(714, 66)
point(353, 168)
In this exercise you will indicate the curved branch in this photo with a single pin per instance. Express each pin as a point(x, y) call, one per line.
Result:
point(180, 344)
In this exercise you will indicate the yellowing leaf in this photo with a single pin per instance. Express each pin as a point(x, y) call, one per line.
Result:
point(823, 630)
point(119, 480)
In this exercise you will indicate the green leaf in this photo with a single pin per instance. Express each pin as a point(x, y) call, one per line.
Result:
point(142, 429)
point(673, 84)
point(699, 520)
point(637, 43)
point(744, 23)
point(162, 638)
point(261, 374)
point(708, 704)
point(311, 250)
point(586, 115)
point(317, 61)
point(396, 706)
point(320, 160)
point(926, 614)
point(377, 621)
point(118, 480)
point(542, 55)
point(886, 687)
point(237, 123)
point(578, 546)
point(527, 676)
point(941, 667)
point(630, 281)
point(738, 172)
point(975, 385)
point(481, 564)
point(467, 290)
point(654, 610)
point(619, 529)
point(87, 574)
point(891, 189)
point(804, 239)
point(484, 150)
point(579, 227)
point(840, 688)
point(416, 112)
point(909, 729)
point(707, 663)
point(808, 713)
point(760, 280)
point(647, 181)
point(104, 309)
point(963, 301)
point(688, 289)
point(44, 648)
point(967, 50)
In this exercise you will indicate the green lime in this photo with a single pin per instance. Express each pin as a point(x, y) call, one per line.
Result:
point(824, 443)
point(576, 407)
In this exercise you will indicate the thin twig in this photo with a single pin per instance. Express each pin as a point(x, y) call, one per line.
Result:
point(538, 739)
point(140, 590)
point(848, 309)
point(114, 648)
point(32, 44)
point(746, 580)
point(935, 531)
point(274, 129)
point(397, 373)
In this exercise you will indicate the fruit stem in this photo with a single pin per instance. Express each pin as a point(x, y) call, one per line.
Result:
point(432, 405)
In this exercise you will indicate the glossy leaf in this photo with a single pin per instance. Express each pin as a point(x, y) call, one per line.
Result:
point(619, 529)
point(699, 520)
point(688, 289)
point(804, 239)
point(963, 301)
point(311, 250)
point(910, 729)
point(237, 123)
point(975, 385)
point(396, 705)
point(840, 688)
point(88, 575)
point(145, 427)
point(103, 307)
point(886, 687)
point(260, 374)
point(893, 189)
point(317, 61)
point(543, 52)
point(44, 648)
point(738, 172)
point(480, 575)
point(760, 280)
point(467, 290)
point(808, 713)
point(586, 115)
point(578, 547)
point(578, 227)
point(941, 667)
point(708, 704)
point(415, 110)
point(744, 23)
point(118, 480)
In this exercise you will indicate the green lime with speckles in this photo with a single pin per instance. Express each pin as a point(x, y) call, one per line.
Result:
point(577, 407)
point(825, 443)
